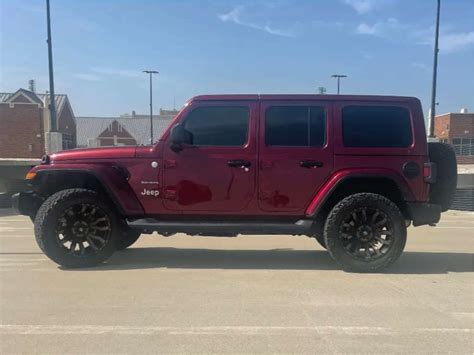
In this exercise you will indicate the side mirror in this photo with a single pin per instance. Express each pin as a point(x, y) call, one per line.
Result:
point(180, 137)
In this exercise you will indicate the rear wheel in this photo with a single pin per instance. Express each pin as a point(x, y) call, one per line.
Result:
point(365, 232)
point(75, 228)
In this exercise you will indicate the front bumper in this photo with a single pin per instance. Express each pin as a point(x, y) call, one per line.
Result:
point(424, 213)
point(26, 203)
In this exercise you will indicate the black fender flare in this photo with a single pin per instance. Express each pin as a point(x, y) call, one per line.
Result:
point(112, 179)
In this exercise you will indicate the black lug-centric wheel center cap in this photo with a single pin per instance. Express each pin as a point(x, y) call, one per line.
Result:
point(365, 233)
point(80, 229)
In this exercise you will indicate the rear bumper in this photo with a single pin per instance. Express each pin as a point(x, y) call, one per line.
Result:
point(424, 213)
point(26, 203)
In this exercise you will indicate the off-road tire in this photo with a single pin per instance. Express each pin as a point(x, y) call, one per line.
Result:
point(46, 223)
point(127, 238)
point(334, 238)
point(443, 190)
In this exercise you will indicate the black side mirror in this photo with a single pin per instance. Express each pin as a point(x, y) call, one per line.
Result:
point(179, 137)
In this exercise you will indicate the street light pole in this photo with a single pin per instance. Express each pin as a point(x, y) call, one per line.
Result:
point(151, 72)
point(52, 101)
point(338, 77)
point(435, 76)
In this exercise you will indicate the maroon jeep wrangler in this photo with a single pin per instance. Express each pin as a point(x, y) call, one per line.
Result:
point(353, 172)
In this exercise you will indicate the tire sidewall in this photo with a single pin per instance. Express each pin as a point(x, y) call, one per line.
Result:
point(339, 213)
point(46, 223)
point(127, 238)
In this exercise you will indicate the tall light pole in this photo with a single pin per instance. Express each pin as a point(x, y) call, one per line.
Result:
point(338, 76)
point(151, 72)
point(52, 101)
point(435, 76)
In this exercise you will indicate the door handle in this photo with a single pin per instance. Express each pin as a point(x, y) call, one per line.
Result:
point(239, 163)
point(309, 164)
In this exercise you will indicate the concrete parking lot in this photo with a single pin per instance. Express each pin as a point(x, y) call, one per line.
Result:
point(238, 295)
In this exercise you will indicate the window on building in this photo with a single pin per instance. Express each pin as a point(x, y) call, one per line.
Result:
point(376, 126)
point(218, 126)
point(68, 141)
point(463, 146)
point(297, 126)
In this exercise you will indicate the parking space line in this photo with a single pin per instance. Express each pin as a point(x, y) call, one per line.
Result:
point(149, 330)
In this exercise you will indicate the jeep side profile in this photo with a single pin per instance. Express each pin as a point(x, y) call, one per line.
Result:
point(353, 172)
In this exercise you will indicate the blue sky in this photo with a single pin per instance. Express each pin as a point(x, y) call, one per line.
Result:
point(214, 46)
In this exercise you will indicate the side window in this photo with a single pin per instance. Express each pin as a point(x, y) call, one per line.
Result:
point(218, 125)
point(376, 126)
point(298, 126)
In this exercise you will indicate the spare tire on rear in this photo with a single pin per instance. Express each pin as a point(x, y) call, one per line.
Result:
point(443, 190)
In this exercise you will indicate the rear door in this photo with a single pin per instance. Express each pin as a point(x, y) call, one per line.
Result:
point(295, 153)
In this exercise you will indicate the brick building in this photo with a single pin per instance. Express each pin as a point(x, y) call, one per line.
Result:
point(25, 122)
point(457, 129)
point(122, 130)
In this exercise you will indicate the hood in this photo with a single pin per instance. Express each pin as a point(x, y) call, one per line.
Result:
point(95, 153)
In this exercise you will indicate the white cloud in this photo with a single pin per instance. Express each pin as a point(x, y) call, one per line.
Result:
point(365, 29)
point(87, 77)
point(117, 72)
point(421, 66)
point(453, 42)
point(380, 29)
point(324, 23)
point(235, 16)
point(366, 55)
point(361, 6)
point(450, 41)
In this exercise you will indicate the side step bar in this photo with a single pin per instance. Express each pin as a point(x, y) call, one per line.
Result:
point(302, 226)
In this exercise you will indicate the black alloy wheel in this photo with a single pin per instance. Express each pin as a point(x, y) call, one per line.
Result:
point(83, 229)
point(367, 233)
point(77, 228)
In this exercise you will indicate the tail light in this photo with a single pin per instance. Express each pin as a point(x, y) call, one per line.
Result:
point(429, 172)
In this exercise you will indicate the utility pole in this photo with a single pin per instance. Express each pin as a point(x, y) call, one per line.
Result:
point(435, 75)
point(151, 72)
point(322, 90)
point(52, 101)
point(338, 77)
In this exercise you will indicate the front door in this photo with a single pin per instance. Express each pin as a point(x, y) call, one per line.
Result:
point(217, 172)
point(295, 153)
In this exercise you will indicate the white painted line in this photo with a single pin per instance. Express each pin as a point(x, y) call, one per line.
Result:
point(9, 265)
point(12, 229)
point(463, 315)
point(8, 258)
point(16, 236)
point(452, 227)
point(149, 330)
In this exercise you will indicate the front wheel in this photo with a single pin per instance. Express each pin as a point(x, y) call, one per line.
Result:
point(365, 232)
point(76, 228)
point(128, 237)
